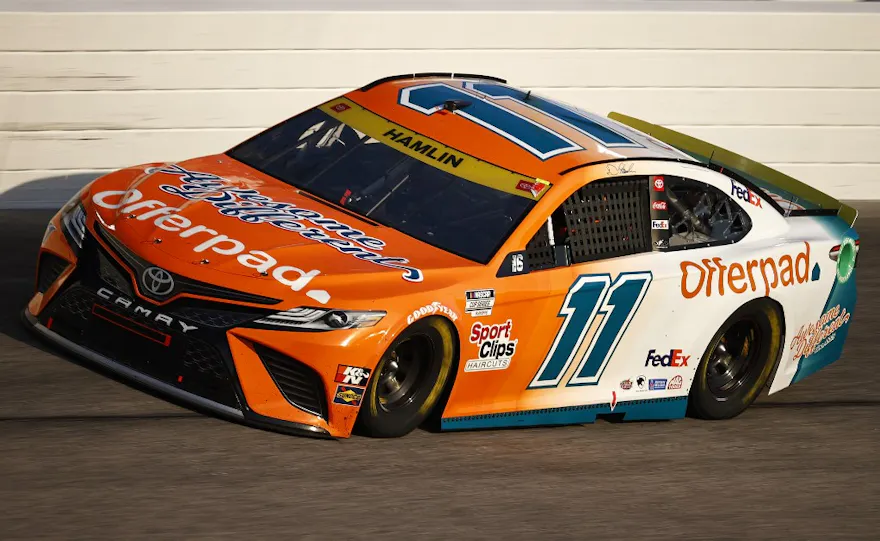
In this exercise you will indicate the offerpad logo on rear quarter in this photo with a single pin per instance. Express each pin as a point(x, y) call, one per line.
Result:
point(347, 395)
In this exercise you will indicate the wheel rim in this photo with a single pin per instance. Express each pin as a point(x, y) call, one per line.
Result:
point(405, 371)
point(735, 359)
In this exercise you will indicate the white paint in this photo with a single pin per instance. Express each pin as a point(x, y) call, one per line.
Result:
point(83, 93)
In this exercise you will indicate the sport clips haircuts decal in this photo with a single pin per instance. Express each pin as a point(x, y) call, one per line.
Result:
point(250, 206)
point(495, 347)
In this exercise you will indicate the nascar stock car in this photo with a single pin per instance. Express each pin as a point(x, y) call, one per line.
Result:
point(448, 248)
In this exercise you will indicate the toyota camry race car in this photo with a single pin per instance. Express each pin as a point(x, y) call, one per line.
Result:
point(449, 248)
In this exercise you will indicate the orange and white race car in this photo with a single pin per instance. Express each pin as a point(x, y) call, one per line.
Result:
point(450, 248)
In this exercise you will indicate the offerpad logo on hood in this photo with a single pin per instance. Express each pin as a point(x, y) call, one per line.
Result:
point(164, 217)
point(250, 206)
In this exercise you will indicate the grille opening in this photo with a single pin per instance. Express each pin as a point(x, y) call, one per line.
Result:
point(609, 218)
point(49, 268)
point(299, 384)
point(112, 276)
point(214, 317)
point(192, 364)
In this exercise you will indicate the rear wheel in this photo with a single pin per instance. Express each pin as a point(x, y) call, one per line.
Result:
point(738, 362)
point(408, 381)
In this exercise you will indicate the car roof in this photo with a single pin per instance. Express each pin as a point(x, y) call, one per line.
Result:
point(486, 118)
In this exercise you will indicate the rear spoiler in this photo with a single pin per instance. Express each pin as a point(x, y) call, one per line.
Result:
point(793, 196)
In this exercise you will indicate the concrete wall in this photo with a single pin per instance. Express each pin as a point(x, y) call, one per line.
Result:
point(82, 93)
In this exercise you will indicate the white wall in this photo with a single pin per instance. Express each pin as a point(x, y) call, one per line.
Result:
point(82, 93)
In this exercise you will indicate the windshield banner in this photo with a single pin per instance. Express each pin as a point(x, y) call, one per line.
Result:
point(433, 152)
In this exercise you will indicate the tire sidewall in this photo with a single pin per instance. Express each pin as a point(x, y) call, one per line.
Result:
point(375, 421)
point(702, 402)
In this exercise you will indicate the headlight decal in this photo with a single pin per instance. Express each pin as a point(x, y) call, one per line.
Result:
point(320, 319)
point(74, 224)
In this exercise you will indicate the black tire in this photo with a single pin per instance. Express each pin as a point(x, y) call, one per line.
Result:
point(738, 362)
point(408, 381)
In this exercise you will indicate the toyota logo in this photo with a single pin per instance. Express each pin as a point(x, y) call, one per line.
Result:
point(157, 281)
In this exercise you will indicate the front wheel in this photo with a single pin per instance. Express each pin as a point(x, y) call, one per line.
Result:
point(408, 381)
point(738, 362)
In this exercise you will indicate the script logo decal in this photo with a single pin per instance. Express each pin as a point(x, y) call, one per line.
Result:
point(250, 206)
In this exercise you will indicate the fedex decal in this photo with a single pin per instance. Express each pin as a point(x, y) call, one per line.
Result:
point(747, 195)
point(672, 359)
point(495, 347)
point(711, 275)
point(164, 217)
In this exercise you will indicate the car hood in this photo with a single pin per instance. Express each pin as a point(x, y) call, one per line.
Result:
point(219, 221)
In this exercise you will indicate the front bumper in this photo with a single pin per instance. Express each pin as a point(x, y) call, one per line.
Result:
point(190, 351)
point(171, 392)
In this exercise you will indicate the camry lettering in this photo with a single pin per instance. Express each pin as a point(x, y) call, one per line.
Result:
point(250, 206)
point(293, 277)
point(711, 276)
point(146, 313)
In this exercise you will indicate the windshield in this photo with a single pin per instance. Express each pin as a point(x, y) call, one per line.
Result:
point(319, 154)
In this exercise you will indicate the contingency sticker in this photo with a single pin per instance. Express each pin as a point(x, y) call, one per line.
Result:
point(479, 302)
point(348, 396)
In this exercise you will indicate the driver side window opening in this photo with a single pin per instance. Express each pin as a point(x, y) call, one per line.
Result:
point(702, 215)
point(604, 219)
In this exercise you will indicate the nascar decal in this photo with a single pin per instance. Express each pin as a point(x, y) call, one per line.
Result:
point(479, 302)
point(163, 216)
point(430, 309)
point(352, 375)
point(347, 395)
point(812, 337)
point(495, 347)
point(433, 152)
point(250, 206)
point(699, 277)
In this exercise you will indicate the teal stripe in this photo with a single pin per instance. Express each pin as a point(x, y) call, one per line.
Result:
point(637, 410)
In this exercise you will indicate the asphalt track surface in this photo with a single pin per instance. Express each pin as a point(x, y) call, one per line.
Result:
point(86, 457)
